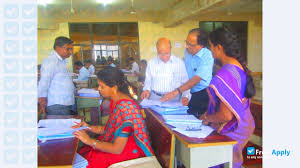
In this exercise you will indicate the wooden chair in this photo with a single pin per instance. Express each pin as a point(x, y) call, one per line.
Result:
point(92, 82)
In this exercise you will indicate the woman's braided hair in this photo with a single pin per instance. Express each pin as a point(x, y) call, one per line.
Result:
point(232, 48)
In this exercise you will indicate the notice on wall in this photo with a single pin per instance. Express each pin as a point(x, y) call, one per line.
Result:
point(177, 44)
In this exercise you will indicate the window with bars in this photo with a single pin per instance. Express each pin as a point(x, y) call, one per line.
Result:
point(100, 40)
point(106, 50)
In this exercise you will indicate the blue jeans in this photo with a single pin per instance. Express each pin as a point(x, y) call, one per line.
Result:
point(58, 109)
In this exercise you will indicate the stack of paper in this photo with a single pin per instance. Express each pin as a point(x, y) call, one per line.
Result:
point(146, 103)
point(125, 70)
point(87, 92)
point(169, 110)
point(57, 128)
point(181, 118)
point(53, 133)
point(58, 123)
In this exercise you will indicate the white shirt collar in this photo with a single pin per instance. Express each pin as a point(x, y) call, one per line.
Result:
point(60, 58)
point(169, 61)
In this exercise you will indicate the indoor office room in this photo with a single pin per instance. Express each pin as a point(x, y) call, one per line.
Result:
point(150, 83)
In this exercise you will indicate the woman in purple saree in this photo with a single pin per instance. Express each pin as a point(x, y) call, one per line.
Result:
point(229, 92)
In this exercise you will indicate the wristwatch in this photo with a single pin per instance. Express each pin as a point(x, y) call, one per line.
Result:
point(94, 144)
point(179, 92)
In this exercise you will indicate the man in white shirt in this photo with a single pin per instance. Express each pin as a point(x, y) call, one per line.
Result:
point(165, 73)
point(134, 65)
point(89, 65)
point(56, 88)
point(110, 61)
point(83, 72)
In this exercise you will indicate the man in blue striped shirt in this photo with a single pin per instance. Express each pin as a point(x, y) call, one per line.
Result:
point(56, 88)
point(199, 65)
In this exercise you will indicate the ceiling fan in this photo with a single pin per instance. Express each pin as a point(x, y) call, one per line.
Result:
point(72, 10)
point(132, 10)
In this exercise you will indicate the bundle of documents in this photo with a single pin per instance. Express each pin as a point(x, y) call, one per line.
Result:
point(182, 118)
point(169, 110)
point(146, 103)
point(57, 128)
point(88, 92)
point(45, 134)
point(58, 123)
point(125, 70)
point(164, 108)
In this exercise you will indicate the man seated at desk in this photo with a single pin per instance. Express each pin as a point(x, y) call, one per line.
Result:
point(55, 88)
point(110, 61)
point(134, 65)
point(90, 67)
point(142, 73)
point(83, 72)
point(164, 74)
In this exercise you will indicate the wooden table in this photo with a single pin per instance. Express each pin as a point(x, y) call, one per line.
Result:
point(93, 104)
point(58, 152)
point(213, 150)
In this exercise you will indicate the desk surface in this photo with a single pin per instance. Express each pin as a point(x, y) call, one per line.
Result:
point(59, 152)
point(213, 139)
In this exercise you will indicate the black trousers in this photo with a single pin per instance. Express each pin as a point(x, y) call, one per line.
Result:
point(198, 103)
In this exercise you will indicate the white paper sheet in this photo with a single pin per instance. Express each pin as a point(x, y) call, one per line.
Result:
point(147, 103)
point(203, 133)
point(57, 131)
point(52, 137)
point(125, 70)
point(185, 125)
point(86, 92)
point(58, 123)
point(80, 162)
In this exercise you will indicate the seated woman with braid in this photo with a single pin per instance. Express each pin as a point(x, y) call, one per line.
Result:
point(229, 93)
point(125, 135)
